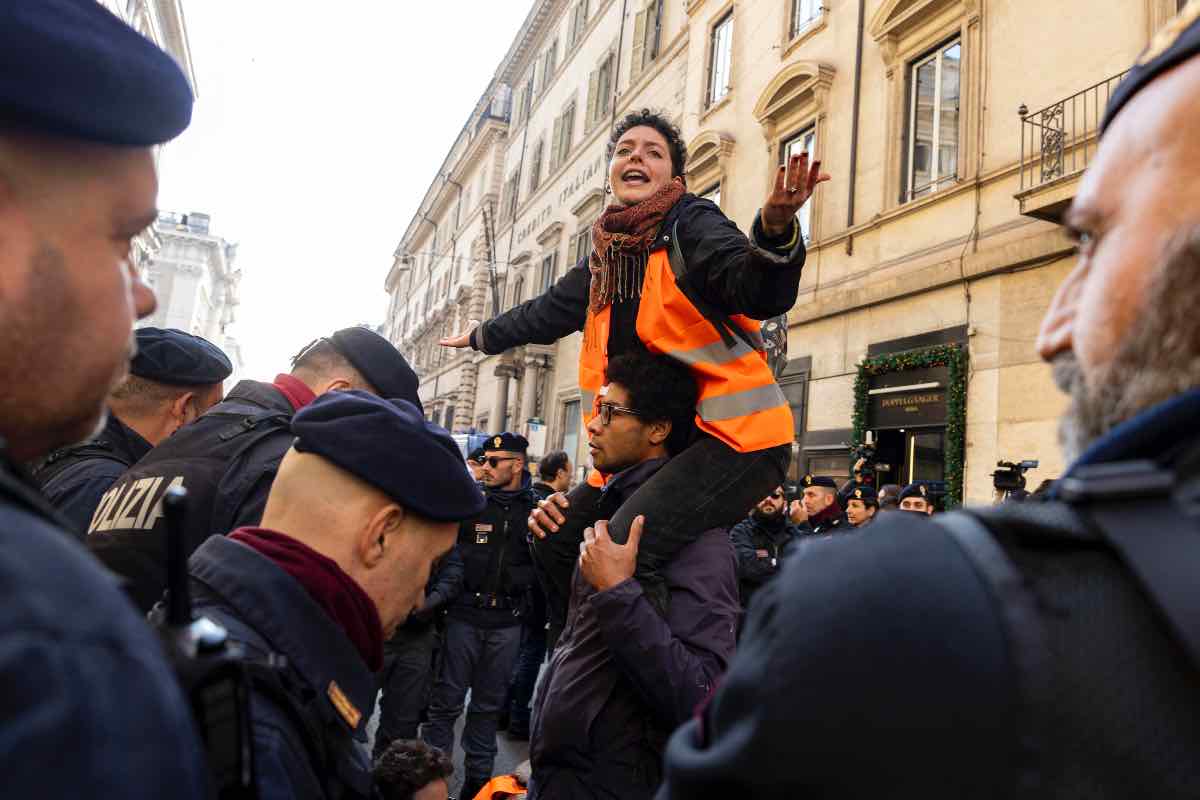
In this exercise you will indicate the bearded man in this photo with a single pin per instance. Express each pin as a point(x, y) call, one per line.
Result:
point(1048, 649)
point(759, 542)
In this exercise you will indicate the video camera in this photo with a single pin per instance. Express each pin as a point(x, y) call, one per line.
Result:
point(864, 451)
point(1010, 476)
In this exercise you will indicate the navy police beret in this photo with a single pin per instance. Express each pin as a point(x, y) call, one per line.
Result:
point(390, 445)
point(1175, 43)
point(915, 490)
point(379, 362)
point(170, 356)
point(476, 455)
point(866, 494)
point(70, 67)
point(819, 480)
point(508, 442)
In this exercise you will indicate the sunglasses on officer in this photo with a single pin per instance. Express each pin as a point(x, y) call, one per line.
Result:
point(495, 461)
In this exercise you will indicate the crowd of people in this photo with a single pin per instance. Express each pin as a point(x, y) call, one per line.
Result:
point(205, 594)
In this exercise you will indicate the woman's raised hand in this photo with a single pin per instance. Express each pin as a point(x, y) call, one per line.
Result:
point(794, 184)
point(460, 339)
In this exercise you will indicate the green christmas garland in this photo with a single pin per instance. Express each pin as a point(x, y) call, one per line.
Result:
point(954, 358)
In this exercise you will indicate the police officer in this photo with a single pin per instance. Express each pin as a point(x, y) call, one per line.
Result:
point(174, 378)
point(1045, 649)
point(759, 542)
point(862, 506)
point(820, 503)
point(483, 627)
point(915, 498)
point(365, 500)
point(227, 459)
point(90, 707)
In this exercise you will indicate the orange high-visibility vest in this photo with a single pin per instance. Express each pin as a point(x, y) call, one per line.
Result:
point(503, 785)
point(739, 401)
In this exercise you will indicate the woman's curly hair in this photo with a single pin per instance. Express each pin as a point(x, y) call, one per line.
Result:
point(658, 121)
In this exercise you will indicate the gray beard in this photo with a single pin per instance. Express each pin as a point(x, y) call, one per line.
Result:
point(1158, 359)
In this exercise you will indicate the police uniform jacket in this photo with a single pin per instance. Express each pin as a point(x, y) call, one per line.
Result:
point(1021, 659)
point(320, 753)
point(759, 546)
point(75, 478)
point(497, 566)
point(90, 706)
point(226, 460)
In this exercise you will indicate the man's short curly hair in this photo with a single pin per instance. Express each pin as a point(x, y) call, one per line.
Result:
point(407, 767)
point(660, 388)
point(658, 121)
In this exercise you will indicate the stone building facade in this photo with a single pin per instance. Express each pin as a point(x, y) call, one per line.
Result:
point(955, 130)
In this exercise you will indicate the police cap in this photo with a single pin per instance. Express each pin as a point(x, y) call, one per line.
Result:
point(819, 480)
point(1175, 43)
point(390, 445)
point(476, 455)
point(170, 356)
point(70, 67)
point(866, 494)
point(915, 490)
point(379, 362)
point(508, 442)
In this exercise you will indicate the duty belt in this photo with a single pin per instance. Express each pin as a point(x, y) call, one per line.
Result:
point(493, 601)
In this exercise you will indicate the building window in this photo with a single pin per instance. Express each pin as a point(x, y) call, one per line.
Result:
point(579, 15)
point(933, 121)
point(646, 32)
point(508, 204)
point(549, 64)
point(535, 166)
point(518, 291)
point(600, 91)
point(581, 246)
point(720, 59)
point(803, 142)
point(549, 272)
point(804, 13)
point(448, 417)
point(713, 193)
point(564, 130)
point(570, 430)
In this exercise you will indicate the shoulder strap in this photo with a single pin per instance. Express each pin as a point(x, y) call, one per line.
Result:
point(726, 329)
point(58, 461)
point(1151, 522)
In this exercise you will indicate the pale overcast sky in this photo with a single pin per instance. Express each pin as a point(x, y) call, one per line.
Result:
point(317, 130)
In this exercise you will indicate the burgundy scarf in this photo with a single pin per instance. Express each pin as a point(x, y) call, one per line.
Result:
point(621, 240)
point(333, 590)
point(295, 390)
point(826, 515)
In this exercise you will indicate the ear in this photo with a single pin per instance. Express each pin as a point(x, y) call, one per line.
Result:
point(380, 534)
point(659, 431)
point(338, 385)
point(183, 409)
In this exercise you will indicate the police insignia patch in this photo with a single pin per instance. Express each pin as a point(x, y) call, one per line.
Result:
point(496, 441)
point(349, 713)
point(858, 493)
point(924, 490)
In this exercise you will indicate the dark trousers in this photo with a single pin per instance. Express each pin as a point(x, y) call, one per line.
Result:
point(481, 660)
point(709, 485)
point(529, 663)
point(405, 681)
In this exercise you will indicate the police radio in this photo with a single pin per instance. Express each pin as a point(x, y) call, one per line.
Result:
point(210, 667)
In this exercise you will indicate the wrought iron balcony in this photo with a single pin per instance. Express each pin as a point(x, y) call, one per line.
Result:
point(1057, 143)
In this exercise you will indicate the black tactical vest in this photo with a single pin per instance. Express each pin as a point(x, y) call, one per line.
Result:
point(219, 459)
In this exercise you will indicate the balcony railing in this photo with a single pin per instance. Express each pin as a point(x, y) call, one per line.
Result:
point(1058, 141)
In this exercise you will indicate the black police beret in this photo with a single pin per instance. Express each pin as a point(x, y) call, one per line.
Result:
point(379, 362)
point(819, 480)
point(915, 490)
point(476, 454)
point(390, 445)
point(1175, 43)
point(510, 442)
point(866, 494)
point(70, 67)
point(170, 356)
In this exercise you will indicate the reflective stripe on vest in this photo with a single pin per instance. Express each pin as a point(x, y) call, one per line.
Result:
point(739, 401)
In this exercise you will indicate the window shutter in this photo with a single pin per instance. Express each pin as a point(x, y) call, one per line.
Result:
point(639, 42)
point(593, 98)
point(568, 129)
point(573, 251)
point(556, 145)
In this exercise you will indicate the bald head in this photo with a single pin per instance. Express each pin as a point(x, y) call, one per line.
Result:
point(387, 549)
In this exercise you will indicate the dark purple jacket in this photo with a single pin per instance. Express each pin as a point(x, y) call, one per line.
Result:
point(623, 677)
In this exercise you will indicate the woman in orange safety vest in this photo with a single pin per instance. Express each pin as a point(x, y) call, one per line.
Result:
point(671, 274)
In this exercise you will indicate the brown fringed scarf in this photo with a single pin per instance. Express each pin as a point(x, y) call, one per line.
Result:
point(621, 241)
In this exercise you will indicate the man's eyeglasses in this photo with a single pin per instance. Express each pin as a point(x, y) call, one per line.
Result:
point(606, 411)
point(495, 461)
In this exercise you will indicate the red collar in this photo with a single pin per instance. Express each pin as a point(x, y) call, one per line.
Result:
point(334, 591)
point(295, 390)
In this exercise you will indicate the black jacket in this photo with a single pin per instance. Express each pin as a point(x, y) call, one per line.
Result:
point(75, 478)
point(737, 275)
point(759, 547)
point(268, 611)
point(226, 460)
point(497, 568)
point(90, 707)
